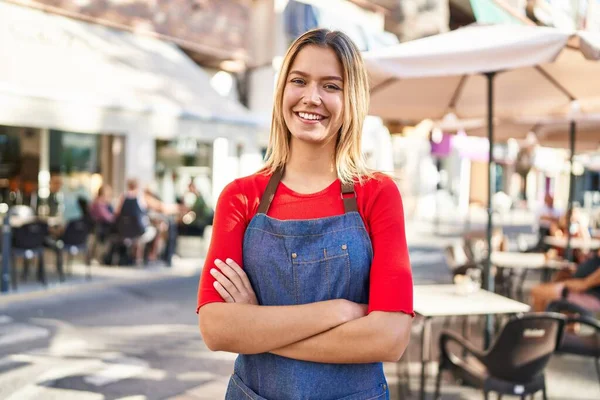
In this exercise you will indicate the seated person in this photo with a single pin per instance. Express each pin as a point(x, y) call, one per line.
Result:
point(548, 216)
point(580, 287)
point(133, 204)
point(548, 222)
point(579, 228)
point(101, 210)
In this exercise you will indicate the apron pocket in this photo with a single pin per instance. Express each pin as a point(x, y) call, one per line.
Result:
point(380, 392)
point(237, 390)
point(321, 273)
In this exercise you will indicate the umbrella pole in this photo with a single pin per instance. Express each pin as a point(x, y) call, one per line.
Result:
point(487, 273)
point(568, 250)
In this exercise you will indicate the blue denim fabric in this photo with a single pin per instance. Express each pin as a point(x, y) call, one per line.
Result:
point(299, 262)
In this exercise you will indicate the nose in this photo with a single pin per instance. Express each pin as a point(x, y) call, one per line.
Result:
point(312, 95)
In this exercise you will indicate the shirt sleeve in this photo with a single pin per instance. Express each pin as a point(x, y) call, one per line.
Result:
point(229, 225)
point(391, 283)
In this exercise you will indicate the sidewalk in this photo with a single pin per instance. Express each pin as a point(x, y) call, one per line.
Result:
point(105, 276)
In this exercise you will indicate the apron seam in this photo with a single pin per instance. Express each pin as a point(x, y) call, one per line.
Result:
point(309, 235)
point(242, 389)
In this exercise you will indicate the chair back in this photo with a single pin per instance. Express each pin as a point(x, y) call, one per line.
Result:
point(30, 235)
point(130, 222)
point(524, 346)
point(76, 232)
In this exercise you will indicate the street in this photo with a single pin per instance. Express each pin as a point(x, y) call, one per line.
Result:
point(135, 339)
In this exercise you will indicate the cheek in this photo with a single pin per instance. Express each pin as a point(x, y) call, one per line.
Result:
point(291, 97)
point(337, 109)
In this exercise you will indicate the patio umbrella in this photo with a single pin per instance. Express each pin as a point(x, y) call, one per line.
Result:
point(458, 72)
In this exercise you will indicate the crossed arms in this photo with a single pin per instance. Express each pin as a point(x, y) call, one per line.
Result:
point(334, 331)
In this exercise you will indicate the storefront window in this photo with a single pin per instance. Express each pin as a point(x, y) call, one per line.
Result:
point(180, 162)
point(19, 165)
point(74, 170)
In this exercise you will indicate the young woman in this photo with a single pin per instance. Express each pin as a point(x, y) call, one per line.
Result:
point(307, 275)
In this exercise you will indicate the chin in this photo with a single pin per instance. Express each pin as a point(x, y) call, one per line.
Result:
point(311, 137)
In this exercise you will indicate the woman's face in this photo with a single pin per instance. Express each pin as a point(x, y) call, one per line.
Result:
point(313, 97)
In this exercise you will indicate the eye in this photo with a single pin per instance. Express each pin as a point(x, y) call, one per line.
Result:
point(331, 86)
point(297, 81)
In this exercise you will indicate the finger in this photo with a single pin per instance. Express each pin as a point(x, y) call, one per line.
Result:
point(241, 273)
point(225, 282)
point(231, 274)
point(223, 293)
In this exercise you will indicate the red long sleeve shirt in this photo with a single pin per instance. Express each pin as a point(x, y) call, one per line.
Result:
point(379, 204)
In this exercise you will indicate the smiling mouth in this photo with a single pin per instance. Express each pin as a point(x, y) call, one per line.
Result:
point(310, 117)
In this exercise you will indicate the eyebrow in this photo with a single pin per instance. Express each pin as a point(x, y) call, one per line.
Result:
point(325, 78)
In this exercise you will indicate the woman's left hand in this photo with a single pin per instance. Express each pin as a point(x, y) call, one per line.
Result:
point(232, 283)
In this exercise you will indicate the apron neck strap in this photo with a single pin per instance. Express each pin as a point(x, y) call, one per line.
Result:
point(269, 193)
point(348, 194)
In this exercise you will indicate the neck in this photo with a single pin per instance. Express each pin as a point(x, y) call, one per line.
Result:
point(310, 167)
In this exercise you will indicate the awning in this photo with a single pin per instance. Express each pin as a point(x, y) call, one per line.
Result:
point(66, 74)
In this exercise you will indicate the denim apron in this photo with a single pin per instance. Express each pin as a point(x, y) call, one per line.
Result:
point(305, 261)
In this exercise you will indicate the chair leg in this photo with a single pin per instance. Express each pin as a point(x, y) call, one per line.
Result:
point(69, 263)
point(598, 368)
point(438, 382)
point(13, 273)
point(59, 265)
point(486, 395)
point(42, 268)
point(88, 263)
point(519, 294)
point(544, 396)
point(25, 273)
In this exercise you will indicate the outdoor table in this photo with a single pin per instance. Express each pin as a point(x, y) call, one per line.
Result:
point(575, 243)
point(442, 301)
point(517, 261)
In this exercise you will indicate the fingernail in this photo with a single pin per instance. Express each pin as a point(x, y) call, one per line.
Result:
point(229, 260)
point(212, 271)
point(217, 261)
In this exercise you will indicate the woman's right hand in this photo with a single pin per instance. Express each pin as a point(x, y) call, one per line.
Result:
point(232, 283)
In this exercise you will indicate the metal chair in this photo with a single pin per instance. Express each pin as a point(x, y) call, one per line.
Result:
point(28, 243)
point(129, 229)
point(514, 364)
point(581, 343)
point(73, 241)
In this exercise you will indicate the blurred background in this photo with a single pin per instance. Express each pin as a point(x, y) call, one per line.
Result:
point(170, 100)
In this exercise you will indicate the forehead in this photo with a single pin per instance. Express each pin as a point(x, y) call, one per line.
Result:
point(317, 61)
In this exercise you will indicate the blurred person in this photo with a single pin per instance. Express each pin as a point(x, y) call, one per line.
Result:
point(580, 286)
point(55, 199)
point(199, 215)
point(101, 209)
point(548, 216)
point(133, 204)
point(579, 228)
point(307, 276)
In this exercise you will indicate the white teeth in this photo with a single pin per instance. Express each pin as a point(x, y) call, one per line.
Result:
point(310, 116)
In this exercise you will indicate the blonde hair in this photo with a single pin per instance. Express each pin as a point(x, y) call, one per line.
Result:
point(349, 160)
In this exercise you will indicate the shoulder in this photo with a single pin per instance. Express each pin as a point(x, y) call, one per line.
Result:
point(250, 185)
point(379, 184)
point(245, 193)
